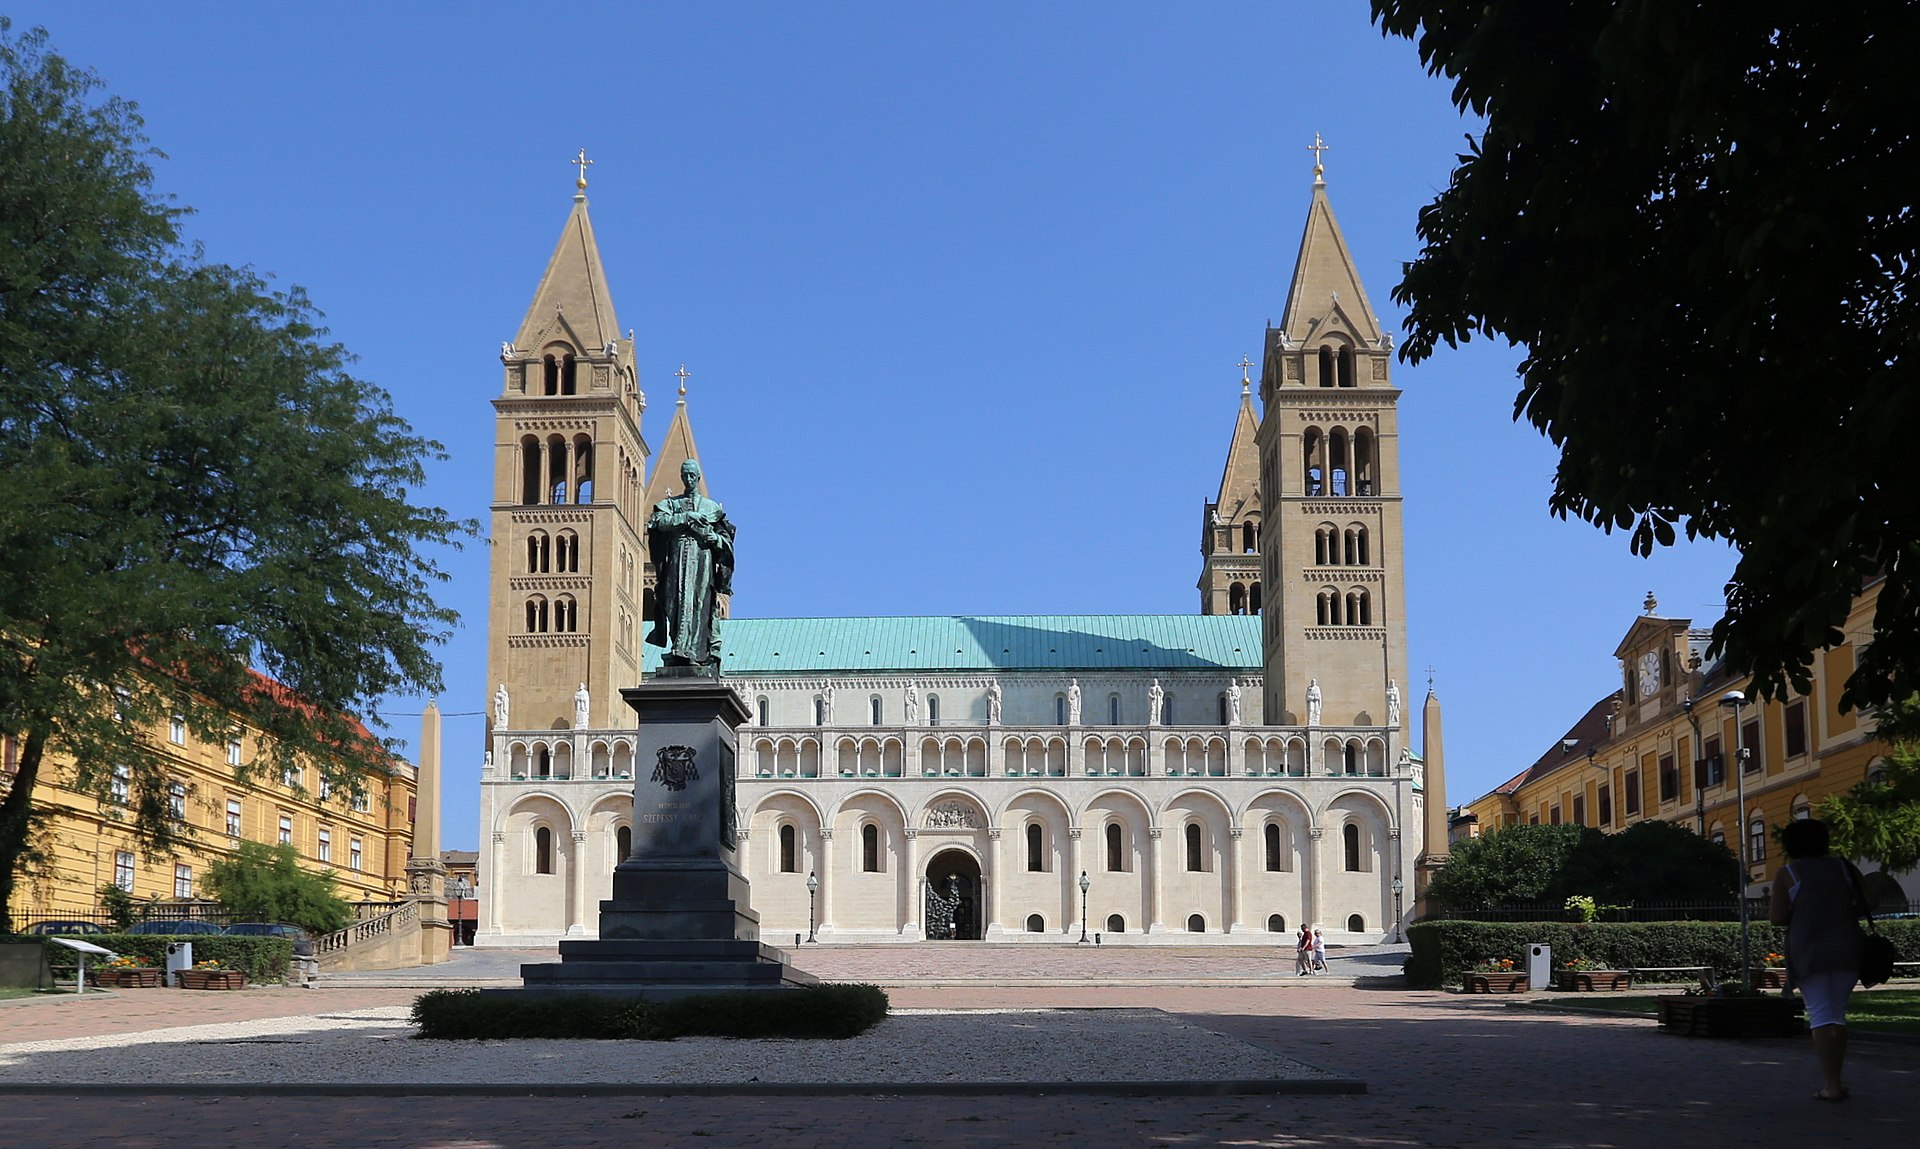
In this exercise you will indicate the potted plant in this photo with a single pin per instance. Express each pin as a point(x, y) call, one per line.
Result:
point(1494, 975)
point(1728, 1011)
point(212, 974)
point(1585, 975)
point(128, 971)
point(1771, 973)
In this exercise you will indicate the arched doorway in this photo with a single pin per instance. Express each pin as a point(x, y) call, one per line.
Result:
point(953, 897)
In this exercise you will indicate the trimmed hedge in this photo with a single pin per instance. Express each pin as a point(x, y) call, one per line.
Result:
point(264, 959)
point(824, 1011)
point(1443, 949)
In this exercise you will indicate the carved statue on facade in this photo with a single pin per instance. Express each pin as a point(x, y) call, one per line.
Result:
point(580, 707)
point(1233, 703)
point(1156, 698)
point(500, 707)
point(913, 704)
point(826, 705)
point(993, 703)
point(1313, 702)
point(691, 542)
point(1073, 702)
point(1393, 704)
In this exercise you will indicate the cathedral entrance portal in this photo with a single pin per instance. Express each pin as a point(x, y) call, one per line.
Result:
point(953, 897)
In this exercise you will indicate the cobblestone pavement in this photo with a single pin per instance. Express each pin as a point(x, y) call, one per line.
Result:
point(1442, 1070)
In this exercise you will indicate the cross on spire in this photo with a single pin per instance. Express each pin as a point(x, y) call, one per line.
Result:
point(583, 163)
point(1316, 147)
point(1246, 382)
point(1429, 678)
point(683, 375)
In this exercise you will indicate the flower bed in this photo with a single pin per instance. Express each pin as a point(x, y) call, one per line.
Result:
point(126, 977)
point(211, 979)
point(1706, 1015)
point(1593, 980)
point(1480, 981)
point(1769, 977)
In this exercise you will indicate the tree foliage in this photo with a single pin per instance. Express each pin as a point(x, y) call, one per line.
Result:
point(1647, 863)
point(1698, 221)
point(196, 488)
point(267, 884)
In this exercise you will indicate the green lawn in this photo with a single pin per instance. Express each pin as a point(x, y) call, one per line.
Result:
point(1869, 1011)
point(7, 991)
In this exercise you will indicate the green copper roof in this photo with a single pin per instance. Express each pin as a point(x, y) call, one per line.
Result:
point(996, 642)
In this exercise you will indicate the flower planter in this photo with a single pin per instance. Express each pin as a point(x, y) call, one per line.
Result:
point(1771, 977)
point(1594, 980)
point(127, 977)
point(1703, 1016)
point(1478, 982)
point(212, 979)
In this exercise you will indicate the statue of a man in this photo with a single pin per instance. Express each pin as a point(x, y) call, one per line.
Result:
point(1313, 702)
point(826, 705)
point(1073, 702)
point(580, 707)
point(691, 542)
point(1233, 703)
point(1156, 697)
point(993, 703)
point(1393, 705)
point(500, 707)
point(913, 703)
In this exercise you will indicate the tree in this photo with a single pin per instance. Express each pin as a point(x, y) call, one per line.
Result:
point(1648, 862)
point(1514, 864)
point(1698, 221)
point(197, 492)
point(266, 883)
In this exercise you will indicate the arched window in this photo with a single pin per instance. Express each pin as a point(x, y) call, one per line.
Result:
point(529, 471)
point(1327, 607)
point(1276, 923)
point(537, 552)
point(1757, 840)
point(1113, 710)
point(1350, 846)
point(1248, 540)
point(874, 705)
point(1116, 924)
point(1363, 462)
point(933, 710)
point(1253, 599)
point(1036, 924)
point(1193, 848)
point(543, 851)
point(1060, 709)
point(556, 469)
point(1273, 847)
point(819, 711)
point(1350, 758)
point(1114, 858)
point(1036, 860)
point(1166, 710)
point(566, 615)
point(1196, 924)
point(1337, 463)
point(870, 848)
point(1356, 924)
point(789, 850)
point(1223, 709)
point(1312, 461)
point(549, 375)
point(542, 762)
point(1237, 598)
point(537, 615)
point(1326, 550)
point(1359, 608)
point(762, 707)
point(582, 469)
point(622, 844)
point(1326, 367)
point(1345, 366)
point(568, 558)
point(567, 375)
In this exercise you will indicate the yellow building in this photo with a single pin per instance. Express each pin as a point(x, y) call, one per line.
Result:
point(90, 843)
point(1664, 747)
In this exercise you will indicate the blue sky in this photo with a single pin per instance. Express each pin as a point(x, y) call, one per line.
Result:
point(961, 287)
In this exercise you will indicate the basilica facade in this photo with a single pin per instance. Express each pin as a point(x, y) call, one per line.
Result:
point(1223, 776)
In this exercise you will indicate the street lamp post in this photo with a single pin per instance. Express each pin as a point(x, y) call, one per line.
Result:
point(1084, 883)
point(1398, 886)
point(1734, 700)
point(461, 890)
point(813, 890)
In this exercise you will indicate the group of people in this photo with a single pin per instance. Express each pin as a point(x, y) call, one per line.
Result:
point(1309, 952)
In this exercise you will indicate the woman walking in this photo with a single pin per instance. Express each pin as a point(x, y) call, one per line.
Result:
point(1816, 896)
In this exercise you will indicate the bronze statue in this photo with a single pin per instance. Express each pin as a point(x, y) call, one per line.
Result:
point(691, 543)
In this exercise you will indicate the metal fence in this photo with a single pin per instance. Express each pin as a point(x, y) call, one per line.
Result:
point(200, 911)
point(1727, 911)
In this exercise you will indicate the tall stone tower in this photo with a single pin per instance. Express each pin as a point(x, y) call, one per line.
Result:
point(1230, 523)
point(567, 561)
point(1331, 551)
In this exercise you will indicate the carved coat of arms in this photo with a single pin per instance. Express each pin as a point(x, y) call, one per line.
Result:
point(673, 767)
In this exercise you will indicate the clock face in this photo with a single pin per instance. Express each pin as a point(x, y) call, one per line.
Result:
point(1649, 672)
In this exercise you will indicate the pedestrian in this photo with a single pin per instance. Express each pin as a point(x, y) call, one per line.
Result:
point(1817, 897)
point(1319, 951)
point(1303, 953)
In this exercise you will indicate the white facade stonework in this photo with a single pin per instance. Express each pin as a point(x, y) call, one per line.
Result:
point(956, 776)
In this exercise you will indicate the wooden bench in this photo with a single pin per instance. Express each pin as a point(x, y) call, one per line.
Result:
point(1696, 972)
point(1906, 969)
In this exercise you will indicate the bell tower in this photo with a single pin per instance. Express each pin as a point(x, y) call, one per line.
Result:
point(565, 588)
point(1230, 522)
point(1331, 552)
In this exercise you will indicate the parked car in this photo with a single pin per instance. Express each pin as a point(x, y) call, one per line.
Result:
point(302, 940)
point(61, 927)
point(178, 928)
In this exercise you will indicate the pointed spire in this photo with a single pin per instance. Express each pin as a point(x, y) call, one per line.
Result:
point(1326, 285)
point(1240, 480)
point(676, 447)
point(572, 302)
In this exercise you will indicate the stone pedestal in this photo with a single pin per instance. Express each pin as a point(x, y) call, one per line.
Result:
point(679, 921)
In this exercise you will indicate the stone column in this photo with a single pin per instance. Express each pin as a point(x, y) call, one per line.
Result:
point(1154, 924)
point(1076, 865)
point(910, 919)
point(990, 882)
point(1315, 863)
point(426, 873)
point(1236, 878)
point(494, 879)
point(577, 865)
point(828, 879)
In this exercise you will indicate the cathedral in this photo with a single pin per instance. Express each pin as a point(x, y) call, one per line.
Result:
point(1225, 776)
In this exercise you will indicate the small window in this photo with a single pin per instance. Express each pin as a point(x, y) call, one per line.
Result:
point(120, 786)
point(870, 848)
point(762, 708)
point(1669, 779)
point(355, 854)
point(1116, 924)
point(1751, 732)
point(1579, 809)
point(1276, 923)
point(1553, 814)
point(543, 851)
point(1350, 846)
point(1356, 924)
point(286, 829)
point(622, 844)
point(1114, 856)
point(1113, 710)
point(177, 730)
point(1716, 765)
point(874, 704)
point(933, 710)
point(1757, 840)
point(1036, 842)
point(1036, 924)
point(1059, 710)
point(182, 880)
point(325, 850)
point(1606, 804)
point(1796, 729)
point(233, 817)
point(1633, 792)
point(233, 752)
point(1196, 924)
point(1193, 848)
point(1273, 847)
point(789, 850)
point(177, 801)
point(361, 802)
point(819, 712)
point(123, 869)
